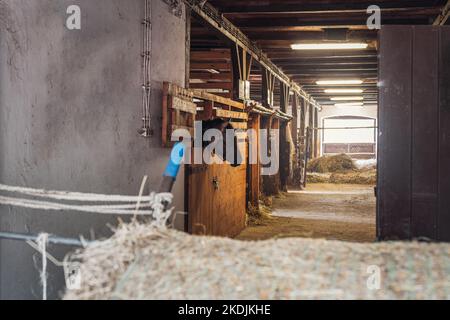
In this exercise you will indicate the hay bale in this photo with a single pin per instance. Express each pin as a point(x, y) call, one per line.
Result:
point(337, 163)
point(143, 262)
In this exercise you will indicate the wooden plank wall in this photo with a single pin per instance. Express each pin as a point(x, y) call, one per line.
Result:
point(414, 142)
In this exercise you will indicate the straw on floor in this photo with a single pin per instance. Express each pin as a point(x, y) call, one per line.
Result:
point(148, 262)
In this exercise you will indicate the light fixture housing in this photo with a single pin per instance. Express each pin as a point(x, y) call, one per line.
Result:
point(339, 82)
point(347, 98)
point(347, 90)
point(330, 46)
point(349, 104)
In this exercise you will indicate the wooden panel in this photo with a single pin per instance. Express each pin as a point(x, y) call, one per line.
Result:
point(444, 136)
point(229, 207)
point(210, 55)
point(230, 114)
point(425, 132)
point(414, 143)
point(199, 191)
point(214, 65)
point(212, 85)
point(349, 148)
point(183, 105)
point(217, 198)
point(178, 111)
point(208, 114)
point(202, 94)
point(394, 187)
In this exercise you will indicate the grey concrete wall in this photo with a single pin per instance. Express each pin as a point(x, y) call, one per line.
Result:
point(70, 109)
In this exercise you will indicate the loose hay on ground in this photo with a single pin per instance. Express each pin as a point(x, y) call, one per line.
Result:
point(143, 262)
point(258, 216)
point(366, 176)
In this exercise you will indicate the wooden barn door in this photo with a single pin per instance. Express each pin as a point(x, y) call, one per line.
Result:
point(217, 198)
point(414, 128)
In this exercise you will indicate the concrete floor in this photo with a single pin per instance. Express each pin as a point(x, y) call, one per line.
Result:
point(330, 211)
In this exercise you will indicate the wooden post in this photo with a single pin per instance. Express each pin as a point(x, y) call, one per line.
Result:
point(316, 134)
point(271, 184)
point(241, 63)
point(254, 170)
point(188, 48)
point(296, 139)
point(310, 126)
point(285, 147)
point(267, 87)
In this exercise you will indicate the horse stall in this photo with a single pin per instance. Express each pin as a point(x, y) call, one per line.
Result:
point(215, 189)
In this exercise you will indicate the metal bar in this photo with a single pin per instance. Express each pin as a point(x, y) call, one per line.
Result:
point(443, 16)
point(51, 239)
point(228, 29)
point(344, 128)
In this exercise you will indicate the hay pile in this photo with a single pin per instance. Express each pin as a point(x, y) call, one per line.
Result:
point(341, 169)
point(145, 262)
point(338, 163)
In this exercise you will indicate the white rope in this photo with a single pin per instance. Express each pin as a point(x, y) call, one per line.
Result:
point(42, 244)
point(141, 192)
point(156, 201)
point(46, 205)
point(71, 196)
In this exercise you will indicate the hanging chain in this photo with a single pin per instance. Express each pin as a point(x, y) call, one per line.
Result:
point(146, 130)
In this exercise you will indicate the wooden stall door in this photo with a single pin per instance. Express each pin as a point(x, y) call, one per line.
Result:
point(414, 144)
point(200, 191)
point(217, 199)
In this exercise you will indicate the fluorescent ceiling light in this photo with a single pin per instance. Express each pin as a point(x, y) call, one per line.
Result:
point(338, 82)
point(347, 99)
point(343, 91)
point(350, 104)
point(329, 46)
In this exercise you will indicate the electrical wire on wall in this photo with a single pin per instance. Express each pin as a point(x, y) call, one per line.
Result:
point(146, 130)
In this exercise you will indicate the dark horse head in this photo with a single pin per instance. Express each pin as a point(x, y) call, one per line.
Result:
point(224, 125)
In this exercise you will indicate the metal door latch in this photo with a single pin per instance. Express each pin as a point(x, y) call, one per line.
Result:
point(216, 183)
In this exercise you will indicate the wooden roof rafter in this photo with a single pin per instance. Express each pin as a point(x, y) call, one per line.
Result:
point(229, 30)
point(443, 16)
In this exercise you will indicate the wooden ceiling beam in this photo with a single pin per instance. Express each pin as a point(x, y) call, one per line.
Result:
point(344, 14)
point(210, 76)
point(211, 65)
point(210, 55)
point(277, 6)
point(315, 56)
point(363, 35)
point(212, 85)
point(330, 22)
